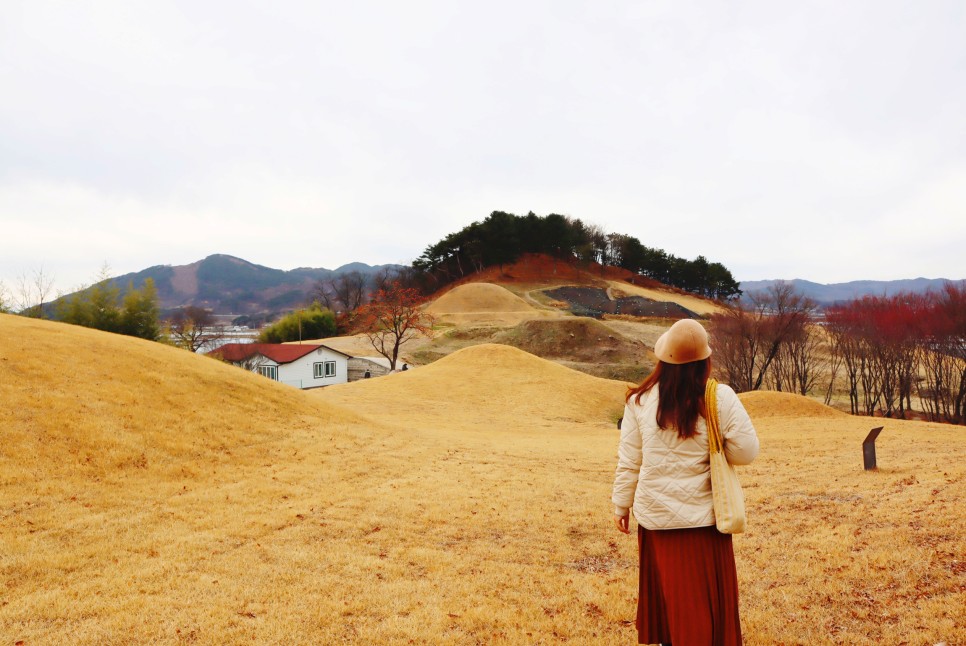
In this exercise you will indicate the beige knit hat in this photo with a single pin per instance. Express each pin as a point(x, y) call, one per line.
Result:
point(684, 342)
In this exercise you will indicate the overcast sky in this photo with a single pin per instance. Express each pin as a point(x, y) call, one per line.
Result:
point(816, 140)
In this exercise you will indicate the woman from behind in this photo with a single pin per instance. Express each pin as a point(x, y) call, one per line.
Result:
point(688, 585)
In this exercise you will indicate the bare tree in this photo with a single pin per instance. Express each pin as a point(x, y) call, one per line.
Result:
point(345, 292)
point(384, 278)
point(942, 355)
point(193, 328)
point(350, 287)
point(748, 340)
point(847, 346)
point(833, 365)
point(325, 295)
point(33, 292)
point(5, 303)
point(737, 340)
point(800, 360)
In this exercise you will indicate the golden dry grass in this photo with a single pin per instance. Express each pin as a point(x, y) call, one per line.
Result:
point(154, 496)
point(478, 297)
point(464, 391)
point(761, 404)
point(483, 304)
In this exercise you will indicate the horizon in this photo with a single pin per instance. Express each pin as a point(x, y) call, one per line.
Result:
point(59, 293)
point(368, 264)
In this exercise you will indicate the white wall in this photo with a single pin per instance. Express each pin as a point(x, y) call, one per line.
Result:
point(300, 373)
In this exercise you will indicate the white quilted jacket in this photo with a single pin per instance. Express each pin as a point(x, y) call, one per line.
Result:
point(667, 480)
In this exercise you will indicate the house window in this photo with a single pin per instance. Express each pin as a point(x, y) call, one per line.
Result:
point(269, 371)
point(324, 369)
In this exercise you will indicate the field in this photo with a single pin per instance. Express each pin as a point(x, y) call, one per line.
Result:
point(153, 496)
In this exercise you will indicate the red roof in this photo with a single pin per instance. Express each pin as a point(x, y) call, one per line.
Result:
point(277, 352)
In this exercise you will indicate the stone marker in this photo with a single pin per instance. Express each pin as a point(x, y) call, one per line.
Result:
point(868, 448)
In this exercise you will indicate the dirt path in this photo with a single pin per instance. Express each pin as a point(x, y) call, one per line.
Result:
point(526, 296)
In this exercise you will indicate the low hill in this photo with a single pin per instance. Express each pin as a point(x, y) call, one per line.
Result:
point(539, 274)
point(761, 404)
point(475, 386)
point(478, 297)
point(482, 303)
point(574, 339)
point(584, 344)
point(128, 404)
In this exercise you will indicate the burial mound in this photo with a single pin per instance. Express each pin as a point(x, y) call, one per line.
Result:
point(124, 402)
point(578, 339)
point(478, 297)
point(488, 386)
point(762, 404)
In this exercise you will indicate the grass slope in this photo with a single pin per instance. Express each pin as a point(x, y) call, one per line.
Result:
point(153, 496)
point(478, 297)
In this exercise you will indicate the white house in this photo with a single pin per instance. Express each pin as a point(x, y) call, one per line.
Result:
point(302, 366)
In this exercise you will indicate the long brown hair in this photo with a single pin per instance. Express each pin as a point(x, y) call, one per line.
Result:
point(680, 394)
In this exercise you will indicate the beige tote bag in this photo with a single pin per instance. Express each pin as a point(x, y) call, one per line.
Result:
point(729, 500)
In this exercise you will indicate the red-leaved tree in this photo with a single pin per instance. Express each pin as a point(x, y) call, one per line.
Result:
point(904, 345)
point(942, 390)
point(393, 317)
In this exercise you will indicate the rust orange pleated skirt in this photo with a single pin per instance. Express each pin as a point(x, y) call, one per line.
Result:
point(688, 592)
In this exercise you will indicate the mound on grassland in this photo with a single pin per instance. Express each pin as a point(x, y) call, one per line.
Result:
point(487, 386)
point(80, 400)
point(760, 404)
point(478, 297)
point(574, 339)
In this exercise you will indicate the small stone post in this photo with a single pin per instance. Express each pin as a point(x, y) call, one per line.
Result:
point(868, 448)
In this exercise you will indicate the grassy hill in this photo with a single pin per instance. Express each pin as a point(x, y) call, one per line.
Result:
point(154, 496)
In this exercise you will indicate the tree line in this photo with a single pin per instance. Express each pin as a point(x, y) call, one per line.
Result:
point(502, 238)
point(385, 306)
point(102, 306)
point(891, 355)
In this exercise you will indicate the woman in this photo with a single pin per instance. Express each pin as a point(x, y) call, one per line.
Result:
point(688, 589)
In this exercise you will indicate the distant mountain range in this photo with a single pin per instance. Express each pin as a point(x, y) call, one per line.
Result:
point(229, 285)
point(836, 292)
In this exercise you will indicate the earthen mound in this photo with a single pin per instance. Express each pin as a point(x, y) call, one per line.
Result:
point(478, 297)
point(761, 404)
point(124, 403)
point(489, 386)
point(574, 339)
point(596, 302)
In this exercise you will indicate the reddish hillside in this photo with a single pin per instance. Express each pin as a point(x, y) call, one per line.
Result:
point(540, 270)
point(546, 270)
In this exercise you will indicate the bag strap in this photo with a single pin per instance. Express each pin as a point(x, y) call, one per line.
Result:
point(711, 416)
